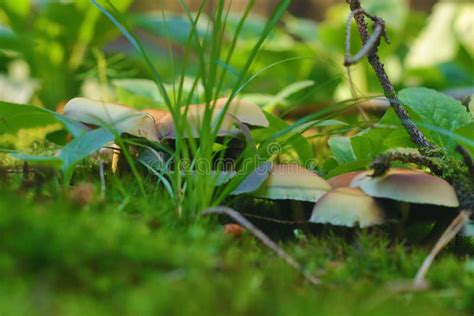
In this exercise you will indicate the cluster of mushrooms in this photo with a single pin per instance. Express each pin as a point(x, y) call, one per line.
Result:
point(354, 199)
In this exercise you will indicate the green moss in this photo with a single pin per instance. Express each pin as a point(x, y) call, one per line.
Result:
point(140, 259)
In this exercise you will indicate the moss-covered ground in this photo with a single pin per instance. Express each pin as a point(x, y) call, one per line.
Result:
point(132, 256)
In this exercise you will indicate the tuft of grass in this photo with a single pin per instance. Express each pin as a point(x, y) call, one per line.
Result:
point(194, 191)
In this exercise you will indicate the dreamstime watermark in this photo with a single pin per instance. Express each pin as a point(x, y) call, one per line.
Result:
point(257, 163)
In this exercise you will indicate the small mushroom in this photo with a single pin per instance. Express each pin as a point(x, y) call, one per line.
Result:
point(122, 118)
point(348, 207)
point(408, 185)
point(376, 104)
point(234, 230)
point(245, 112)
point(292, 182)
point(156, 114)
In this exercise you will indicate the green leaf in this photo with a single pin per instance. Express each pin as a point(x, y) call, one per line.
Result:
point(387, 133)
point(341, 148)
point(82, 147)
point(254, 180)
point(464, 136)
point(14, 117)
point(436, 111)
point(298, 143)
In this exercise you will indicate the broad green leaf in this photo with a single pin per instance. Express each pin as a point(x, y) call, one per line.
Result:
point(465, 134)
point(59, 137)
point(297, 142)
point(254, 180)
point(82, 147)
point(387, 133)
point(73, 127)
point(436, 111)
point(341, 148)
point(14, 117)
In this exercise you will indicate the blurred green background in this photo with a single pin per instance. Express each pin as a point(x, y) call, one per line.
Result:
point(51, 51)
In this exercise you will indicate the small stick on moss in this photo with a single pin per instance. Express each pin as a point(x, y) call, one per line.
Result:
point(222, 210)
point(453, 229)
point(274, 220)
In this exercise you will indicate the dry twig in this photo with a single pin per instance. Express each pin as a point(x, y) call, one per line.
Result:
point(456, 225)
point(222, 210)
point(369, 49)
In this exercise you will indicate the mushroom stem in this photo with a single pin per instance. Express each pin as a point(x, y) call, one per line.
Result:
point(400, 225)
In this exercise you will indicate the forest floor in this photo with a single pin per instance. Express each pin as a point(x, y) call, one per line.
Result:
point(131, 256)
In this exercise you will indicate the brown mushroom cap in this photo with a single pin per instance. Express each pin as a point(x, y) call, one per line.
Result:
point(343, 180)
point(122, 118)
point(408, 185)
point(376, 104)
point(348, 207)
point(245, 112)
point(292, 182)
point(156, 114)
point(194, 117)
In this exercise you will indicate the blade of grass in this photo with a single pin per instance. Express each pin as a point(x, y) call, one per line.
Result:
point(137, 45)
